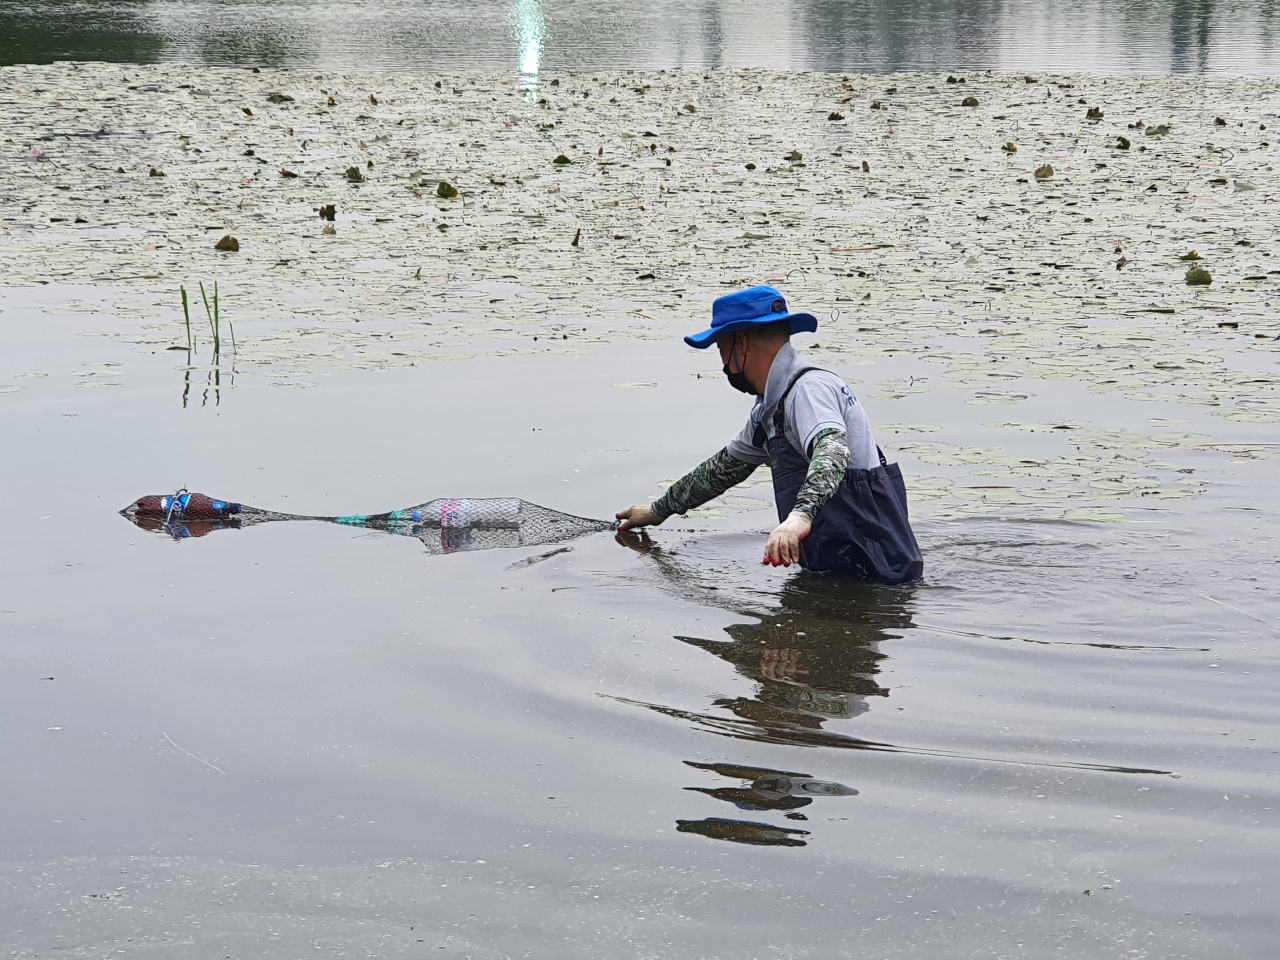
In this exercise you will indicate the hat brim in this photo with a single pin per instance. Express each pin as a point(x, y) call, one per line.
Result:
point(800, 323)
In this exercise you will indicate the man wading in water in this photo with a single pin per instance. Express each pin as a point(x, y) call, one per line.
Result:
point(842, 508)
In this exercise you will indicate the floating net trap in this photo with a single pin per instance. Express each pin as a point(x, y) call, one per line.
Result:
point(443, 526)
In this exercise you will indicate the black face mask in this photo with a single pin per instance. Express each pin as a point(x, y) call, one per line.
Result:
point(738, 380)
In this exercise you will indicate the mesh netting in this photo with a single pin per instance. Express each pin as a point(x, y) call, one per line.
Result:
point(443, 526)
point(448, 526)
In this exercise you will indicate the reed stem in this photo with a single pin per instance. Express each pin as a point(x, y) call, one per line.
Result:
point(186, 313)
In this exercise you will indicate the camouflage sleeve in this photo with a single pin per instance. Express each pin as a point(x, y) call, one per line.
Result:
point(826, 470)
point(704, 482)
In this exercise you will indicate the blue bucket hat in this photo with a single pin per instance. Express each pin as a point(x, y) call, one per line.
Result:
point(755, 307)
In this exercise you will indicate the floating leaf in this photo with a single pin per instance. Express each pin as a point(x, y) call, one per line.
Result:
point(228, 244)
point(561, 160)
point(446, 190)
point(1010, 147)
point(1044, 171)
point(1199, 276)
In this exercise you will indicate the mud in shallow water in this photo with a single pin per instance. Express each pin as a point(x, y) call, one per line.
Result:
point(299, 736)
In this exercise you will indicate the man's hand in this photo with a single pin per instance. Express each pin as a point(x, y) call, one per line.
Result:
point(782, 665)
point(641, 515)
point(783, 548)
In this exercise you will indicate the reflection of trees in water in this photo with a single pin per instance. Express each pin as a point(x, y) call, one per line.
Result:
point(836, 35)
point(264, 42)
point(34, 33)
point(1189, 32)
point(706, 51)
point(144, 32)
point(892, 35)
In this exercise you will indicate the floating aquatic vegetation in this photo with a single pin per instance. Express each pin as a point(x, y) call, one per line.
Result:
point(941, 254)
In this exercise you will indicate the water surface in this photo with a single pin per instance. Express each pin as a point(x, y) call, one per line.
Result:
point(867, 36)
point(301, 737)
point(304, 736)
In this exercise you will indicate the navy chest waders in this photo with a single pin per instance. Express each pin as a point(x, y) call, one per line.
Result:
point(863, 530)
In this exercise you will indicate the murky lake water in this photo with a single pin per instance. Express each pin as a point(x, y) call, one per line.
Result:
point(303, 738)
point(880, 36)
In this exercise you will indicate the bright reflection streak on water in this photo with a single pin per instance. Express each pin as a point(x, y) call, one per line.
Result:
point(530, 31)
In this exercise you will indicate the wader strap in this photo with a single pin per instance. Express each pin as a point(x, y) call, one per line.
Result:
point(779, 412)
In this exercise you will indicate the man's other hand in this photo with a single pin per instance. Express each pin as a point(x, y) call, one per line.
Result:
point(783, 548)
point(641, 515)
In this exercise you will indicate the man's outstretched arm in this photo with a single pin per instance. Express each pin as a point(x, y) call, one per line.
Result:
point(826, 470)
point(827, 467)
point(704, 482)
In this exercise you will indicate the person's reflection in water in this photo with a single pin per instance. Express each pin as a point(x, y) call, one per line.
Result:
point(815, 654)
point(744, 831)
point(769, 789)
